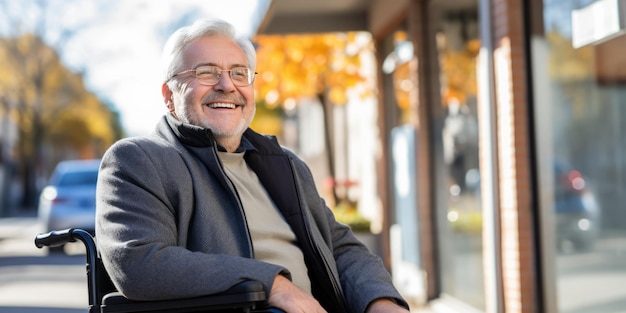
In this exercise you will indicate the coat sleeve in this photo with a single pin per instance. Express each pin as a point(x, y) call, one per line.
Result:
point(138, 229)
point(362, 274)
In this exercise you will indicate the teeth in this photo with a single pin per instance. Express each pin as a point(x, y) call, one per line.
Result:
point(222, 105)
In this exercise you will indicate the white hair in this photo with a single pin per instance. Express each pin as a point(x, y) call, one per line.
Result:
point(172, 50)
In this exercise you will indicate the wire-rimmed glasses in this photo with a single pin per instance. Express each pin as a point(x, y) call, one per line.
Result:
point(210, 75)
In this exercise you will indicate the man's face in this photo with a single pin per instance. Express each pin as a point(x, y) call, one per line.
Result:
point(224, 108)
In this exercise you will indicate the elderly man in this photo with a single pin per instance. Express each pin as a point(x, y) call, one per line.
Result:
point(205, 202)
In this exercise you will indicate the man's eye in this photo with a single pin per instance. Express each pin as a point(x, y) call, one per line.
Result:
point(204, 73)
point(238, 73)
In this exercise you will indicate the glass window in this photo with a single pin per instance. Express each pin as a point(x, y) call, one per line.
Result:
point(579, 84)
point(399, 86)
point(455, 126)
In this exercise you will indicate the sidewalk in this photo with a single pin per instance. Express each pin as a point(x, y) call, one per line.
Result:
point(13, 227)
point(17, 236)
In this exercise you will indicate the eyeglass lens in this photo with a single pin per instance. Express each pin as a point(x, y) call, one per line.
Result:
point(210, 75)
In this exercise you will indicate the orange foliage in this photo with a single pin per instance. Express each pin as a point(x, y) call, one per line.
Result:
point(459, 71)
point(44, 95)
point(294, 66)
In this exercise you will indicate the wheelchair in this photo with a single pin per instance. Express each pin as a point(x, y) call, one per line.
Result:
point(245, 297)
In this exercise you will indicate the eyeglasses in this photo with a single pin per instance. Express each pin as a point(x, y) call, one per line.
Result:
point(210, 75)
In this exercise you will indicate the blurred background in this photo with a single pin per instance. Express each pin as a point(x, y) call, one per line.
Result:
point(79, 75)
point(475, 145)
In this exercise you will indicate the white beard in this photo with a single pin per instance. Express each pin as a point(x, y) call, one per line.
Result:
point(218, 132)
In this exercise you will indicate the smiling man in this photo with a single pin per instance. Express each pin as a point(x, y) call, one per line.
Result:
point(230, 108)
point(205, 202)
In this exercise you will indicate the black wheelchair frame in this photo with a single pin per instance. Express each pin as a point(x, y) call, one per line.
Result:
point(247, 297)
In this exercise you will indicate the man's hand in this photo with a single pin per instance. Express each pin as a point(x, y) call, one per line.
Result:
point(291, 299)
point(385, 306)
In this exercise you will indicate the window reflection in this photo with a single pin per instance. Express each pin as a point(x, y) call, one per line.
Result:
point(586, 95)
point(398, 64)
point(460, 205)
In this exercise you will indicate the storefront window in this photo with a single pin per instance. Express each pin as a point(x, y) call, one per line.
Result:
point(399, 87)
point(459, 207)
point(579, 86)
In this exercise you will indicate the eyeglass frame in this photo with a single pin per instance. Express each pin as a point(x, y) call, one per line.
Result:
point(219, 75)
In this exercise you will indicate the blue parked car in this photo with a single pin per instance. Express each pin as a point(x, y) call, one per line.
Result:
point(577, 211)
point(69, 200)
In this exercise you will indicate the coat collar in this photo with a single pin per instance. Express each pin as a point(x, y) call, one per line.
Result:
point(197, 136)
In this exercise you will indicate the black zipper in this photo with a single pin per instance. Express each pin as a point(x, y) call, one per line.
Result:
point(236, 195)
point(336, 291)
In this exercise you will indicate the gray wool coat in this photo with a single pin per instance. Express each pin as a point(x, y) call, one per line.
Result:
point(169, 224)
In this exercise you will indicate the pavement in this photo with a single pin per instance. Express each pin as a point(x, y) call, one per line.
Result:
point(14, 230)
point(30, 280)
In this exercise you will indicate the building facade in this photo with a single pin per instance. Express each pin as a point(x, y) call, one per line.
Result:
point(508, 116)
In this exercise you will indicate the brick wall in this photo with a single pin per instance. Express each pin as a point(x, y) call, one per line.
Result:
point(514, 179)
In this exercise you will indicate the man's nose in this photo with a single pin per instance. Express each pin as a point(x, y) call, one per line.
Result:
point(225, 83)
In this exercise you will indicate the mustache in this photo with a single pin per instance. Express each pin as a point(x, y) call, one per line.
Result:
point(237, 99)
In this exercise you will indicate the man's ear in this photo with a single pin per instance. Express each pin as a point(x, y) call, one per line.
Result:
point(167, 97)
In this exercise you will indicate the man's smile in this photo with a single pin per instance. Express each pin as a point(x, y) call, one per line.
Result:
point(222, 105)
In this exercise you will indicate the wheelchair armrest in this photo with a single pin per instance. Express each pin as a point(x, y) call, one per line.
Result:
point(247, 295)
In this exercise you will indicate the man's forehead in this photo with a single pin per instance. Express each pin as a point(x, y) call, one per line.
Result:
point(214, 49)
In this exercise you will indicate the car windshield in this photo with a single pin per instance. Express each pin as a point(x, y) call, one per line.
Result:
point(78, 178)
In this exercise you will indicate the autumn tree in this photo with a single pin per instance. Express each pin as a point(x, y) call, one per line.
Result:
point(38, 97)
point(458, 69)
point(320, 66)
point(55, 116)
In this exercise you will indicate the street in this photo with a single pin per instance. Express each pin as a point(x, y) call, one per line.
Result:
point(33, 282)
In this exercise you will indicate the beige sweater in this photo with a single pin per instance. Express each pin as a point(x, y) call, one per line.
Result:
point(272, 238)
